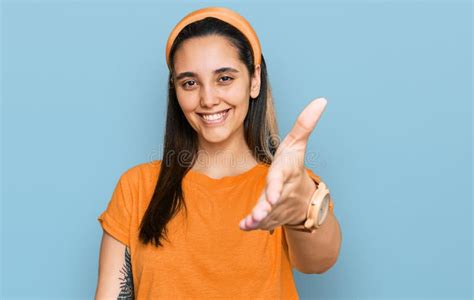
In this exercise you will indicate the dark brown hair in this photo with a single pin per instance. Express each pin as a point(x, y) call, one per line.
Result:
point(180, 141)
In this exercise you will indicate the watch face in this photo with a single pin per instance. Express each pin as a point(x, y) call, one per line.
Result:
point(323, 211)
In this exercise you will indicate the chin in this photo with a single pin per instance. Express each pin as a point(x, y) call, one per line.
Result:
point(214, 137)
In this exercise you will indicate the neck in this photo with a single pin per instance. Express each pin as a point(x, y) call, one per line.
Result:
point(226, 158)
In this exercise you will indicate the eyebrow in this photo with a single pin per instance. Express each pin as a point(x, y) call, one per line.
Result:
point(220, 70)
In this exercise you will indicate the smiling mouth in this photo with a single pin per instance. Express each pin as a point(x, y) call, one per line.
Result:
point(215, 118)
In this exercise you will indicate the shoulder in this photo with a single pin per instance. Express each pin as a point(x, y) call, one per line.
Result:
point(145, 171)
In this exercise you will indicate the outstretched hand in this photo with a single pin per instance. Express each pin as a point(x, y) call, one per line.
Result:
point(288, 186)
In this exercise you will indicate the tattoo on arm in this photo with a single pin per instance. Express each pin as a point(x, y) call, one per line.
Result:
point(126, 284)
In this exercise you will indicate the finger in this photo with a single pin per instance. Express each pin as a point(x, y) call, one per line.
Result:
point(243, 224)
point(275, 180)
point(259, 215)
point(307, 120)
point(250, 222)
point(261, 210)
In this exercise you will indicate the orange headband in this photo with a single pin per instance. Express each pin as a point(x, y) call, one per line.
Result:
point(225, 15)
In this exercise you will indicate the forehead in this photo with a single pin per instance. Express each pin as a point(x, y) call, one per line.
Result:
point(206, 54)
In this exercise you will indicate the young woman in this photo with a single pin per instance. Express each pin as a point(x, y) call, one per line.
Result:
point(228, 211)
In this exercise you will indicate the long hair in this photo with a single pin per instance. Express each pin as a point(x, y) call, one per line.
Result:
point(181, 143)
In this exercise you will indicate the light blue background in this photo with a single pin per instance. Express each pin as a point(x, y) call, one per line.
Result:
point(83, 99)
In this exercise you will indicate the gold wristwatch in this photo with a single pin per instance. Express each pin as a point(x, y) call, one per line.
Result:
point(319, 206)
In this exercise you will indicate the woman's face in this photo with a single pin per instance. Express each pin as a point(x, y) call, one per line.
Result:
point(213, 87)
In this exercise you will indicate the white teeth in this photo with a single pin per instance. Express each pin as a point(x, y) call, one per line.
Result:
point(214, 117)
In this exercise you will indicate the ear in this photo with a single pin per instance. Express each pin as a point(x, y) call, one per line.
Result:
point(255, 83)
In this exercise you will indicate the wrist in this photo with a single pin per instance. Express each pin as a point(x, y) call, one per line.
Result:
point(304, 198)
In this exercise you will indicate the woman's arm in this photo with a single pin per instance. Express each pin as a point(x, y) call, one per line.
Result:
point(115, 270)
point(316, 252)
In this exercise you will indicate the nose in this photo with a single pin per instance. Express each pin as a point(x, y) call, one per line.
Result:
point(208, 98)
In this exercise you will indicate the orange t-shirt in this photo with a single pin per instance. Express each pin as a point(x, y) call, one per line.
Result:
point(208, 256)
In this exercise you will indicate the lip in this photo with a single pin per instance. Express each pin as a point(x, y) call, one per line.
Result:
point(215, 122)
point(211, 113)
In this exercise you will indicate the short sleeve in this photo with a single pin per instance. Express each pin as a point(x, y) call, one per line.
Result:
point(313, 175)
point(116, 218)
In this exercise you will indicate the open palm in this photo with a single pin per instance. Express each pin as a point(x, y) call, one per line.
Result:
point(281, 202)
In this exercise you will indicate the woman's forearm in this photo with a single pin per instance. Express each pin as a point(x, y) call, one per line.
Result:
point(316, 252)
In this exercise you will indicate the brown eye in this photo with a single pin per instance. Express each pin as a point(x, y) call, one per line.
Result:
point(186, 84)
point(227, 78)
